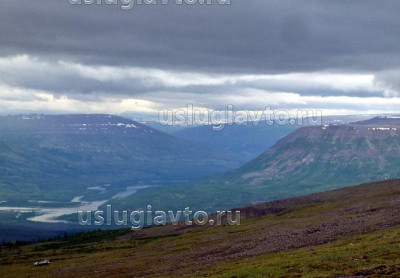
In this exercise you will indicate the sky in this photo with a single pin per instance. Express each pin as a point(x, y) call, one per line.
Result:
point(341, 57)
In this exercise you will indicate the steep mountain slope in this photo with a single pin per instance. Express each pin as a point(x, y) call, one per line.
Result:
point(311, 159)
point(248, 141)
point(352, 232)
point(46, 157)
point(331, 154)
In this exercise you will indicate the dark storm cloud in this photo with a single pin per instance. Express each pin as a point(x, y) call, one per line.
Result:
point(247, 36)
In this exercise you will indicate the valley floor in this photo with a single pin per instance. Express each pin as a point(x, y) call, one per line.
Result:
point(352, 232)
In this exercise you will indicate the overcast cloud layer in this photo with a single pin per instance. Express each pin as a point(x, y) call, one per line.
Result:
point(340, 56)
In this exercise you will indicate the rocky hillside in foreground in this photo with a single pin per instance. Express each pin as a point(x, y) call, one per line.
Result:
point(351, 232)
point(311, 159)
point(57, 157)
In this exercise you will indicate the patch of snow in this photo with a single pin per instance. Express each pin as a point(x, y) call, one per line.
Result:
point(382, 128)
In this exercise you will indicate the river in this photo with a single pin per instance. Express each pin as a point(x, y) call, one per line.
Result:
point(50, 215)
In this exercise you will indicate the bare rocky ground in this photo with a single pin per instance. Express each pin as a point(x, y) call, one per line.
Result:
point(295, 223)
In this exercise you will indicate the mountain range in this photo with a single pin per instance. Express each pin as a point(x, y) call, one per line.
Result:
point(311, 159)
point(251, 139)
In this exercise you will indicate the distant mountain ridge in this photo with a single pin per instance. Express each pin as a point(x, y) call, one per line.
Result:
point(311, 159)
point(251, 139)
point(71, 124)
point(381, 120)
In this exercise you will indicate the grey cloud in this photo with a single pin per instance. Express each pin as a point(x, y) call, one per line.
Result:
point(254, 36)
point(88, 83)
